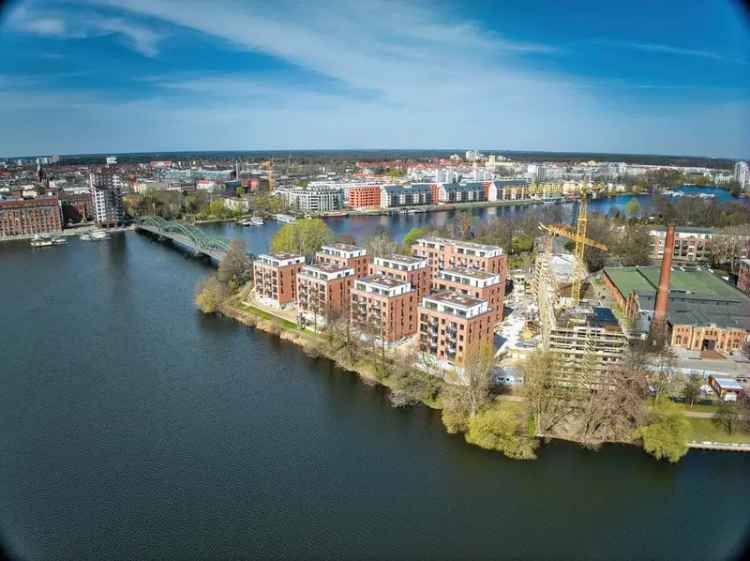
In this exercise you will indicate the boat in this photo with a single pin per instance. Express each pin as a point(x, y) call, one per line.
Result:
point(94, 236)
point(256, 221)
point(244, 222)
point(285, 218)
point(59, 241)
point(41, 242)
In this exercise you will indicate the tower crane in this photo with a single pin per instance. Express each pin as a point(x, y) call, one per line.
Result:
point(581, 241)
point(268, 164)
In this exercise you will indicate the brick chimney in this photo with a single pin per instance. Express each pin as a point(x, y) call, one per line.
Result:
point(662, 296)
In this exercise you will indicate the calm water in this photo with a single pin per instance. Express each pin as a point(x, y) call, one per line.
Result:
point(134, 428)
point(258, 238)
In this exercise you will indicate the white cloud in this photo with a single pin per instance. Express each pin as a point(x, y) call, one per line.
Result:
point(673, 50)
point(63, 25)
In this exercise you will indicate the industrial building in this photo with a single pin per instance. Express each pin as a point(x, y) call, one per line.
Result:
point(28, 217)
point(703, 313)
point(693, 244)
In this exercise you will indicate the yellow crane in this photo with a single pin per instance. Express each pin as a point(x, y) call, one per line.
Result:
point(579, 237)
point(268, 164)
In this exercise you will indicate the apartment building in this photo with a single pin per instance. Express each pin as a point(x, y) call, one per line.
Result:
point(345, 255)
point(478, 284)
point(460, 192)
point(364, 196)
point(384, 308)
point(405, 195)
point(413, 270)
point(694, 243)
point(444, 253)
point(27, 217)
point(106, 198)
point(313, 200)
point(323, 293)
point(275, 278)
point(452, 328)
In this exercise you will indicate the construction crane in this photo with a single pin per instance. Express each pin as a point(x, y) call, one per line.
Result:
point(581, 241)
point(268, 164)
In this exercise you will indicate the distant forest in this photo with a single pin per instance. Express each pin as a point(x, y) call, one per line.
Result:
point(378, 155)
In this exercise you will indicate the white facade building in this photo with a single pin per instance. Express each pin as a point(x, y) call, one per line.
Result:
point(106, 198)
point(742, 175)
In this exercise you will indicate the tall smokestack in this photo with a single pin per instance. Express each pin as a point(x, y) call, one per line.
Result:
point(662, 296)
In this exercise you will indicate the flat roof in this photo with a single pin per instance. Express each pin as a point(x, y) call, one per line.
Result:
point(327, 268)
point(407, 259)
point(483, 275)
point(448, 241)
point(343, 246)
point(698, 284)
point(695, 297)
point(728, 383)
point(383, 281)
point(450, 297)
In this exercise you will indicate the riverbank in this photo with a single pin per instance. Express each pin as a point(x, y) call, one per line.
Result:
point(705, 435)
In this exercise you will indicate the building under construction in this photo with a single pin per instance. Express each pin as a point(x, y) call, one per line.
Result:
point(587, 340)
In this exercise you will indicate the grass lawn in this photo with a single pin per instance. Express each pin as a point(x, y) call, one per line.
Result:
point(706, 429)
point(265, 315)
point(698, 408)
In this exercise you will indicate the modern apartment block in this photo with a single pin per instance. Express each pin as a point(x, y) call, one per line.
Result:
point(384, 308)
point(453, 327)
point(345, 255)
point(27, 217)
point(106, 198)
point(363, 196)
point(323, 293)
point(409, 269)
point(313, 200)
point(444, 253)
point(478, 284)
point(275, 278)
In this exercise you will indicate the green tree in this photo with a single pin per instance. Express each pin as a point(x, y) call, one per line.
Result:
point(303, 237)
point(632, 208)
point(633, 246)
point(235, 269)
point(692, 388)
point(503, 430)
point(210, 294)
point(727, 417)
point(666, 433)
point(412, 236)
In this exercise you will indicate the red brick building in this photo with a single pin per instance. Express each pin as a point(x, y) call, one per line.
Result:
point(27, 217)
point(275, 278)
point(81, 202)
point(409, 269)
point(478, 284)
point(384, 308)
point(363, 196)
point(323, 293)
point(444, 253)
point(345, 255)
point(452, 328)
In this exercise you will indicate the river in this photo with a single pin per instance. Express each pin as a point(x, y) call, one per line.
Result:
point(135, 428)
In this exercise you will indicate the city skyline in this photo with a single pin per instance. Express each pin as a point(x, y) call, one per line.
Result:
point(159, 76)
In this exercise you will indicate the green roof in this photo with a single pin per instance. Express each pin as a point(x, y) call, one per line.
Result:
point(691, 284)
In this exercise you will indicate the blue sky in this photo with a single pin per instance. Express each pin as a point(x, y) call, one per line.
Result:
point(637, 77)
